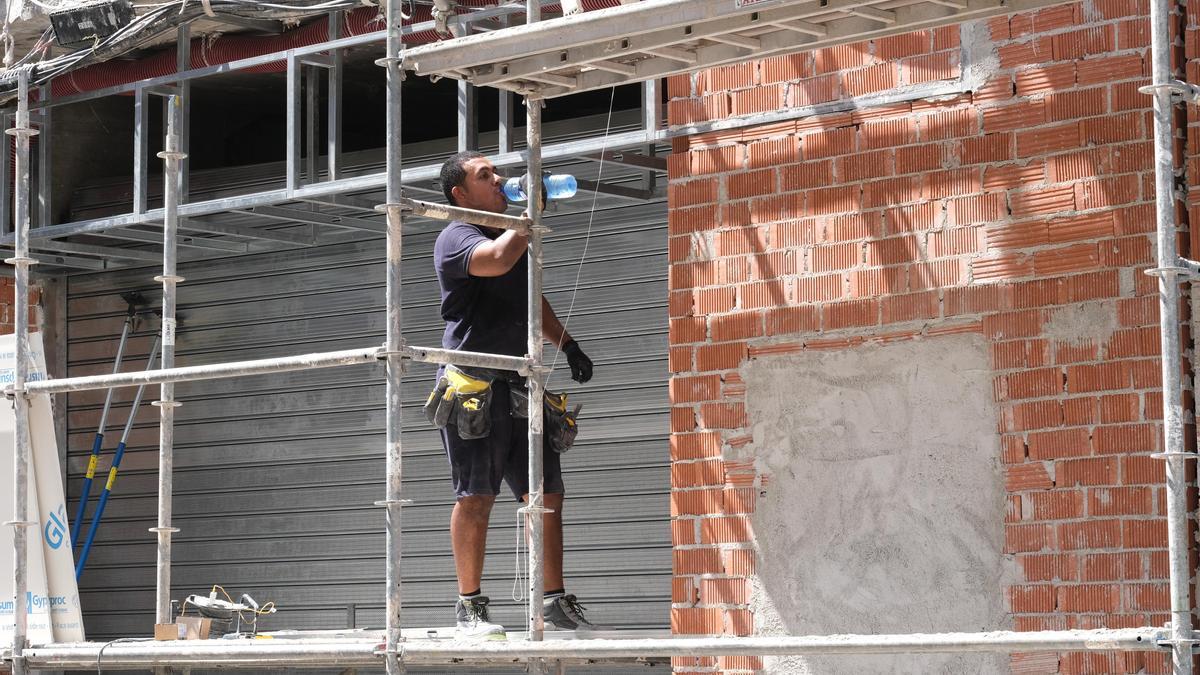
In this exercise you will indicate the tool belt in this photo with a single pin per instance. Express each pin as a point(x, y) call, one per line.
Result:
point(461, 400)
point(464, 398)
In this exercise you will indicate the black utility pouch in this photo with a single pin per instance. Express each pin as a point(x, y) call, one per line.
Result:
point(439, 405)
point(518, 399)
point(562, 426)
point(473, 414)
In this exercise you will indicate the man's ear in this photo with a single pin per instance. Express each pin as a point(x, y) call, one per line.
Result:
point(457, 193)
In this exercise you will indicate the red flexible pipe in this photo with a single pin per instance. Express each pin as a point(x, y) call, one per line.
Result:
point(225, 48)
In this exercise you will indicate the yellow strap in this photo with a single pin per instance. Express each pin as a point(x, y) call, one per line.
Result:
point(465, 384)
point(91, 470)
point(112, 478)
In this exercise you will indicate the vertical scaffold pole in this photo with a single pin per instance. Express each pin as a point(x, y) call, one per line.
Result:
point(1168, 301)
point(395, 338)
point(21, 261)
point(172, 158)
point(535, 509)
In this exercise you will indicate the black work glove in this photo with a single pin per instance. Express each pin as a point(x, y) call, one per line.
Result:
point(581, 365)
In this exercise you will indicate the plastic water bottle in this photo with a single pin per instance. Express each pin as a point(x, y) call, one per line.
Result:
point(557, 186)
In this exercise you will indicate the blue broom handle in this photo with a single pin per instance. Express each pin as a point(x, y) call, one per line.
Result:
point(112, 471)
point(98, 442)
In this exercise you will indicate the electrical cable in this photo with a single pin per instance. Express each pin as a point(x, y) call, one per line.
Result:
point(106, 645)
point(146, 27)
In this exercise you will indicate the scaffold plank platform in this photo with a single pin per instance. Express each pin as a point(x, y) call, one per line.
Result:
point(660, 38)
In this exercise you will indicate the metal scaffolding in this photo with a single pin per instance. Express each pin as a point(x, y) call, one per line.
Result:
point(542, 59)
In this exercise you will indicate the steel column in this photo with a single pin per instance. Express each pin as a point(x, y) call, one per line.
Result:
point(21, 261)
point(392, 501)
point(183, 63)
point(6, 186)
point(1169, 279)
point(141, 149)
point(44, 172)
point(535, 508)
point(172, 157)
point(468, 120)
point(294, 72)
point(652, 121)
point(333, 112)
point(311, 120)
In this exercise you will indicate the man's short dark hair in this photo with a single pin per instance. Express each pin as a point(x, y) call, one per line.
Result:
point(453, 173)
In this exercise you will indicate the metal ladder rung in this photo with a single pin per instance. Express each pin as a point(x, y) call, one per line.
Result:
point(737, 40)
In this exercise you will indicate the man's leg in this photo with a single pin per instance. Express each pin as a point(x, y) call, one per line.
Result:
point(552, 537)
point(468, 536)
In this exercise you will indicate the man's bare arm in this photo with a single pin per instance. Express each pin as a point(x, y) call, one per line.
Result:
point(552, 328)
point(496, 257)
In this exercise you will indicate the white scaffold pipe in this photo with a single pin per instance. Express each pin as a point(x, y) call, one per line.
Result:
point(213, 371)
point(517, 364)
point(264, 654)
point(485, 218)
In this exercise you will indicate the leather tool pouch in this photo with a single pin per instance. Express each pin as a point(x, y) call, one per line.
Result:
point(518, 397)
point(561, 424)
point(462, 400)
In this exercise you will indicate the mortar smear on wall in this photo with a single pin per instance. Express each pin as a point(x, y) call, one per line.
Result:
point(885, 510)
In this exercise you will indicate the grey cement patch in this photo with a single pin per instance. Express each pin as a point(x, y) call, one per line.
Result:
point(885, 506)
point(1083, 323)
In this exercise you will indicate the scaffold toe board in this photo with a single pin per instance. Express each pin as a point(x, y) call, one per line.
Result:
point(660, 38)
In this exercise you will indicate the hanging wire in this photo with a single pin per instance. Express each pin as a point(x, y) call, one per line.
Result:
point(588, 238)
point(519, 585)
point(518, 592)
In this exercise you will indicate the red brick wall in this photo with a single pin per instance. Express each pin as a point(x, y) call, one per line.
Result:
point(6, 306)
point(984, 213)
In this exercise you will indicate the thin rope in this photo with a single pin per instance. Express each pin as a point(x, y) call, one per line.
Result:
point(518, 590)
point(587, 239)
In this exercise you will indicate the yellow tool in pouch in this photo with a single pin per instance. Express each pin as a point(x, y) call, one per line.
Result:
point(562, 425)
point(462, 400)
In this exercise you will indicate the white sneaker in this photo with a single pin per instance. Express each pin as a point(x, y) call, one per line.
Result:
point(472, 620)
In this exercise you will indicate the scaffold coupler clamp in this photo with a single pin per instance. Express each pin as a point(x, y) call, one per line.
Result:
point(18, 663)
point(532, 369)
point(27, 132)
point(443, 11)
point(387, 61)
point(402, 351)
point(1183, 270)
point(393, 658)
point(387, 207)
point(1177, 88)
point(1165, 640)
point(25, 260)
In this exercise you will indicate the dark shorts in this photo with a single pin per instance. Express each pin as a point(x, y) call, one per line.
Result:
point(477, 466)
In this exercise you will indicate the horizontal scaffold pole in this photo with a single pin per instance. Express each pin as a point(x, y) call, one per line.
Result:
point(485, 218)
point(348, 357)
point(324, 653)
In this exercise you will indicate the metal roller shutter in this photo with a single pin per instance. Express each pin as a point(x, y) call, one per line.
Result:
point(275, 476)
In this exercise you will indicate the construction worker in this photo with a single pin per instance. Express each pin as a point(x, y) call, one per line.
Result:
point(482, 272)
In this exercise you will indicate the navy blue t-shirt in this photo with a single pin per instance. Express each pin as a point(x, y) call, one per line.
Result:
point(482, 314)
